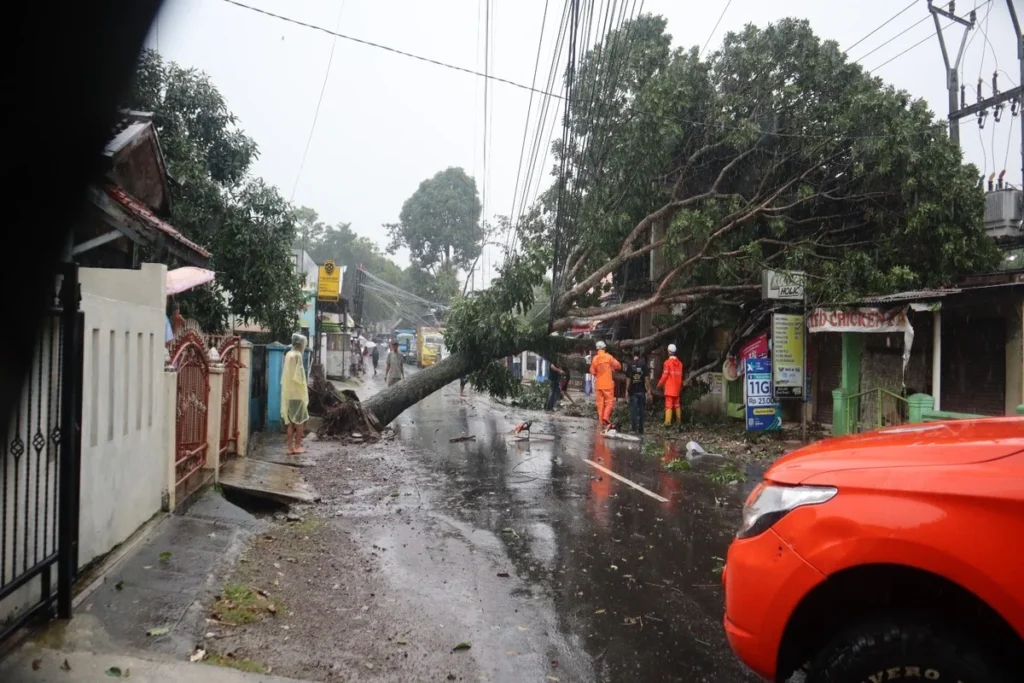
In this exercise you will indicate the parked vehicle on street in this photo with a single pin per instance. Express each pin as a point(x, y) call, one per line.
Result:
point(890, 555)
point(430, 342)
point(406, 344)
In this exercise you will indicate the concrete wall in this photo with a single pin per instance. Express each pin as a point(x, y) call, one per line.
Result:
point(124, 469)
point(1014, 358)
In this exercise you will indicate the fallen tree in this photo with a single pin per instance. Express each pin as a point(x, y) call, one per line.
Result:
point(690, 177)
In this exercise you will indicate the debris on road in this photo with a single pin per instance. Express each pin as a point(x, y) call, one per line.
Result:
point(459, 439)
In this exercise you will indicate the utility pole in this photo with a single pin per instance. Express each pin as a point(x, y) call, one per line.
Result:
point(953, 87)
point(958, 107)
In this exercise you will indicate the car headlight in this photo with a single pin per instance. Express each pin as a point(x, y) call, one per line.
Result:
point(769, 503)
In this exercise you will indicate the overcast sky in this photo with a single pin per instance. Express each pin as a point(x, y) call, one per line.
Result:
point(387, 121)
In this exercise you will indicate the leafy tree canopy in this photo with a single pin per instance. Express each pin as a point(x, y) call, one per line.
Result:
point(440, 223)
point(772, 152)
point(246, 224)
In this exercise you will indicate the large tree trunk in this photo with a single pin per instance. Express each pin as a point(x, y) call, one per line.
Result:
point(392, 402)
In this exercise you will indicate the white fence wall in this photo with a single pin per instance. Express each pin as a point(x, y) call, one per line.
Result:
point(124, 453)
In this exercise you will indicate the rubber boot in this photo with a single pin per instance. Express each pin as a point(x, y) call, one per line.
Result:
point(668, 416)
point(679, 415)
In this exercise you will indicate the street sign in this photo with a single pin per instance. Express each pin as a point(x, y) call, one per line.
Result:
point(788, 355)
point(329, 283)
point(763, 413)
point(782, 286)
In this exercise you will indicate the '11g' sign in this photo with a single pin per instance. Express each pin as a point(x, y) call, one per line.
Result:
point(762, 413)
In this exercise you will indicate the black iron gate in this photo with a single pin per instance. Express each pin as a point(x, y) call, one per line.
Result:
point(40, 470)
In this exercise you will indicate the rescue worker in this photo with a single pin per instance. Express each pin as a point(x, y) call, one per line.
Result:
point(672, 381)
point(603, 369)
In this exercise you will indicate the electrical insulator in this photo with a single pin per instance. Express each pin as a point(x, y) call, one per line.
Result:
point(982, 115)
point(963, 96)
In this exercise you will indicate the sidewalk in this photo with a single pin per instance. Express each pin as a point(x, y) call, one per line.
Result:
point(166, 584)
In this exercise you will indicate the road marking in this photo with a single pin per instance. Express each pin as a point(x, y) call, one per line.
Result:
point(621, 478)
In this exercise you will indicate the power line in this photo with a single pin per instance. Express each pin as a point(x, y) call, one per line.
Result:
point(529, 108)
point(521, 86)
point(319, 101)
point(712, 34)
point(882, 25)
point(388, 48)
point(898, 35)
point(915, 45)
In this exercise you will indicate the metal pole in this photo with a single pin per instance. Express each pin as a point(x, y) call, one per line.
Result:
point(1020, 60)
point(937, 358)
point(69, 465)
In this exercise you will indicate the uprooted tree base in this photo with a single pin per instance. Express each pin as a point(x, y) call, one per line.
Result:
point(341, 413)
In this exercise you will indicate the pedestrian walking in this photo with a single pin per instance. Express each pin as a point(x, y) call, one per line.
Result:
point(603, 369)
point(672, 381)
point(375, 357)
point(638, 388)
point(294, 395)
point(555, 375)
point(394, 367)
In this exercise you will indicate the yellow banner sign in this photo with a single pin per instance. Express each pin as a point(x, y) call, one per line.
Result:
point(329, 283)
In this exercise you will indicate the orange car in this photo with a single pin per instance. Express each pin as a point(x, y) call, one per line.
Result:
point(893, 555)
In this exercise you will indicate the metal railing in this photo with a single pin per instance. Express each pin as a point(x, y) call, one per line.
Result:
point(874, 409)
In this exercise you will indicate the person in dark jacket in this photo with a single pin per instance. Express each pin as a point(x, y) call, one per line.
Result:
point(555, 375)
point(638, 388)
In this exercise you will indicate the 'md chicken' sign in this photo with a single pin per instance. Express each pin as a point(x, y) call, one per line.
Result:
point(857, 320)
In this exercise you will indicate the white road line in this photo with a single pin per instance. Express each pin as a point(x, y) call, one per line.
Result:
point(621, 478)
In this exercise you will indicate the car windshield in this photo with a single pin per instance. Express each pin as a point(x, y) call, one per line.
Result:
point(435, 339)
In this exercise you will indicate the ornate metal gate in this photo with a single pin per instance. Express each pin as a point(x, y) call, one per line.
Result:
point(39, 470)
point(189, 358)
point(231, 356)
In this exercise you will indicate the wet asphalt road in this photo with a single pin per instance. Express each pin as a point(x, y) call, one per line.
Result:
point(605, 583)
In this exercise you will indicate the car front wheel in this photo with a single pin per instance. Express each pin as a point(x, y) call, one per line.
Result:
point(897, 649)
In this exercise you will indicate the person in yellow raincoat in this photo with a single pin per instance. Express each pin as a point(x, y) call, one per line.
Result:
point(294, 395)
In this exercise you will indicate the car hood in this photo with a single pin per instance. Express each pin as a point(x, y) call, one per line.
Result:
point(959, 442)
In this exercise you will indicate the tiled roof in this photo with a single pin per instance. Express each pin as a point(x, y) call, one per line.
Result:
point(148, 218)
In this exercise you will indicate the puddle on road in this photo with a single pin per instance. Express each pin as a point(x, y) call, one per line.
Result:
point(632, 581)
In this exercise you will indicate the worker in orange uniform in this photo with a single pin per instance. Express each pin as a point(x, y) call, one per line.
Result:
point(672, 381)
point(603, 368)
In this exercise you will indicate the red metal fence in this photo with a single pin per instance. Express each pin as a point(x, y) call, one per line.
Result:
point(188, 356)
point(231, 356)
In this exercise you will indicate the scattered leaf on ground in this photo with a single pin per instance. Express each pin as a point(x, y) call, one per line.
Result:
point(158, 631)
point(65, 666)
point(511, 653)
point(368, 665)
point(165, 556)
point(600, 611)
point(36, 663)
point(119, 585)
point(503, 575)
point(114, 672)
point(461, 646)
point(198, 656)
point(402, 641)
point(271, 609)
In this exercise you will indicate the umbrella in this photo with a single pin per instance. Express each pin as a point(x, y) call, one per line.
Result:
point(370, 345)
point(183, 279)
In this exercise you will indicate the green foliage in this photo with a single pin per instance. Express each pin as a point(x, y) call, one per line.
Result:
point(440, 223)
point(679, 465)
point(772, 152)
point(727, 474)
point(246, 224)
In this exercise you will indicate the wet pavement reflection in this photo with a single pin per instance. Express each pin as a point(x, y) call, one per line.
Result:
point(628, 586)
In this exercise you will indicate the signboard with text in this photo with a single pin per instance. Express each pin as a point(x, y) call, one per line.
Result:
point(763, 412)
point(782, 286)
point(329, 283)
point(788, 355)
point(857, 320)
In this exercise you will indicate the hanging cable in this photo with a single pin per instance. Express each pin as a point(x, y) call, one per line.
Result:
point(319, 101)
point(711, 35)
point(882, 25)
